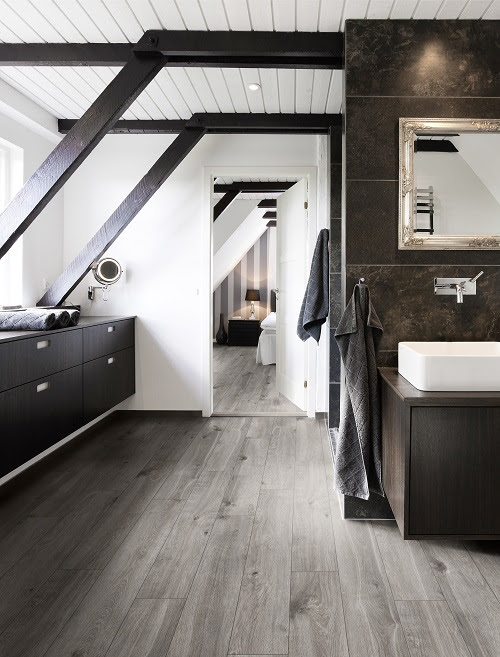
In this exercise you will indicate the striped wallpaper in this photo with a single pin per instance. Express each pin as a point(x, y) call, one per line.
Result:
point(250, 273)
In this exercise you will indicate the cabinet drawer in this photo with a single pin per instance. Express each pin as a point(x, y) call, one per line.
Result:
point(29, 359)
point(37, 415)
point(107, 381)
point(107, 338)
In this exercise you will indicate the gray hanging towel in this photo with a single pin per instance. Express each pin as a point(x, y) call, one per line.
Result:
point(314, 310)
point(358, 454)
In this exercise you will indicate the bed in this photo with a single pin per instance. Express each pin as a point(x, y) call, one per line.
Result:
point(266, 348)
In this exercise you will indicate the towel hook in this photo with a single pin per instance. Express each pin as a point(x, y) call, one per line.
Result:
point(361, 281)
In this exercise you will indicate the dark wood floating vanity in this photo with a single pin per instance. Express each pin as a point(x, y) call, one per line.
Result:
point(54, 382)
point(441, 460)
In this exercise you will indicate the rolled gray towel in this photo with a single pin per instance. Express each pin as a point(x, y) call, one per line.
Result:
point(74, 316)
point(63, 318)
point(27, 320)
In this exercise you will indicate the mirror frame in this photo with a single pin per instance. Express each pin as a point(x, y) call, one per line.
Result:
point(101, 279)
point(408, 240)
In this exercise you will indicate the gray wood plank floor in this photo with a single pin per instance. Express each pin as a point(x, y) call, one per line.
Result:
point(242, 386)
point(188, 537)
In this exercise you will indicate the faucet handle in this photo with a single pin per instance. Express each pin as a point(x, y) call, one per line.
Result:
point(473, 280)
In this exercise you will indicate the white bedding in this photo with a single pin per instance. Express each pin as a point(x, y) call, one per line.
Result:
point(266, 349)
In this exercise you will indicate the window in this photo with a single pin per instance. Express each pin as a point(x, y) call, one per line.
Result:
point(11, 265)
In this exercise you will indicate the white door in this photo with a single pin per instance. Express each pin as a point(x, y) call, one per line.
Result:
point(291, 245)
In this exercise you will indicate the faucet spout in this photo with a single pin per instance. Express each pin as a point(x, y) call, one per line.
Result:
point(459, 287)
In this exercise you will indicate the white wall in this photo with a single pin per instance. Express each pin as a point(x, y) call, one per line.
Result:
point(230, 219)
point(42, 242)
point(162, 249)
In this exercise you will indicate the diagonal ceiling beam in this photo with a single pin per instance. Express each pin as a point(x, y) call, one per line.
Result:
point(75, 147)
point(190, 48)
point(228, 123)
point(223, 203)
point(122, 216)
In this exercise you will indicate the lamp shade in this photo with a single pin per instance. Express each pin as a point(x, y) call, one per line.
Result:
point(252, 295)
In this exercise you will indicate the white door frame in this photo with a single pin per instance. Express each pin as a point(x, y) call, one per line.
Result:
point(209, 175)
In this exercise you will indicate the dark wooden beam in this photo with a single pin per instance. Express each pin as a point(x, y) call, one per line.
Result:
point(253, 187)
point(271, 224)
point(186, 48)
point(246, 49)
point(275, 123)
point(122, 216)
point(267, 203)
point(134, 126)
point(64, 54)
point(75, 147)
point(269, 215)
point(224, 203)
point(228, 123)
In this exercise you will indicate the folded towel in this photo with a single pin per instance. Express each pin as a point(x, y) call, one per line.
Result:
point(314, 310)
point(27, 320)
point(358, 453)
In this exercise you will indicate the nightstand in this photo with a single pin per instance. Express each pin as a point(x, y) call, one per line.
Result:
point(243, 332)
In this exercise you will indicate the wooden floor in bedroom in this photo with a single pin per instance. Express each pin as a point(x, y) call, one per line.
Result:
point(179, 536)
point(243, 386)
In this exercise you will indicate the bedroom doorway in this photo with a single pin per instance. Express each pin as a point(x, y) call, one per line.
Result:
point(259, 271)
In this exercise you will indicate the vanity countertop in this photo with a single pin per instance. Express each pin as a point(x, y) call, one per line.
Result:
point(7, 336)
point(414, 397)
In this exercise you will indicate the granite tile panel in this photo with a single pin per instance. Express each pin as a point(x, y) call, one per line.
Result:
point(334, 405)
point(371, 225)
point(422, 58)
point(335, 298)
point(372, 129)
point(336, 191)
point(372, 231)
point(334, 358)
point(404, 299)
point(335, 245)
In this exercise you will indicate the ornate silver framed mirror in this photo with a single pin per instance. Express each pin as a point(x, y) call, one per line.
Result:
point(449, 184)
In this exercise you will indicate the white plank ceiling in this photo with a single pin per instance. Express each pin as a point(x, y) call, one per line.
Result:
point(179, 92)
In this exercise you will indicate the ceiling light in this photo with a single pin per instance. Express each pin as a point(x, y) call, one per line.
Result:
point(254, 86)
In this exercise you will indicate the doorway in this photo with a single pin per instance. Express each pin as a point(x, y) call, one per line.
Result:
point(263, 368)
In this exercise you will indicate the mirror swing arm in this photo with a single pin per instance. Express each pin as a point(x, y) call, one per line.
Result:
point(409, 237)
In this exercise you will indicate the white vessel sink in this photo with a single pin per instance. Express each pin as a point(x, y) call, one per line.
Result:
point(451, 366)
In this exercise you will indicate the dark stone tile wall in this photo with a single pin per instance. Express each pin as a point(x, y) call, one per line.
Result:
point(412, 69)
point(335, 272)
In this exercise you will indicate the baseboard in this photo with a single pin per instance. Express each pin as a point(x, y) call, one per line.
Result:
point(259, 414)
point(156, 413)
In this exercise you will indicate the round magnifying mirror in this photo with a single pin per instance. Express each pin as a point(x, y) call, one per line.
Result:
point(107, 271)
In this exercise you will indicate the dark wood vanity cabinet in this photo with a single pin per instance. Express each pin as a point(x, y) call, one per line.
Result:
point(441, 460)
point(54, 382)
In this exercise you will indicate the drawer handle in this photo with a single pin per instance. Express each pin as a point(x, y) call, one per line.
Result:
point(111, 360)
point(111, 329)
point(43, 386)
point(43, 344)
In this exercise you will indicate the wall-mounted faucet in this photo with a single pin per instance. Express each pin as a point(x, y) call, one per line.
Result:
point(456, 286)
